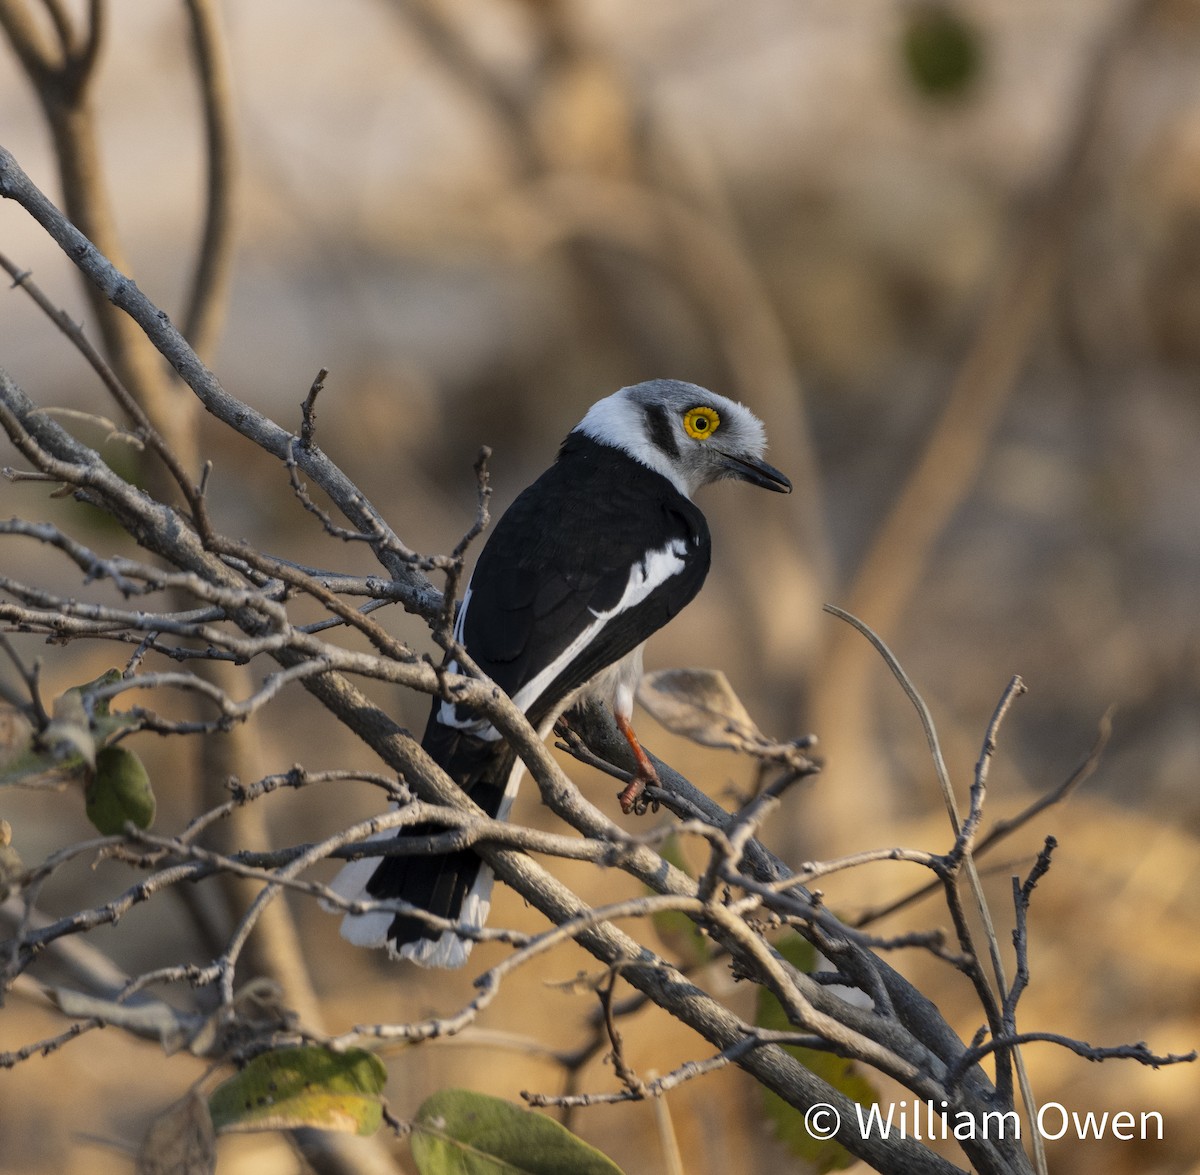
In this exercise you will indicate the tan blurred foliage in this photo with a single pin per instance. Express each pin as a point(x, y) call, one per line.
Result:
point(972, 327)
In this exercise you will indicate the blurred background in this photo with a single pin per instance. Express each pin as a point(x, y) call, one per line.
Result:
point(950, 252)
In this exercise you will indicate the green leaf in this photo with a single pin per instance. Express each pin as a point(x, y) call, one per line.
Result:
point(68, 737)
point(105, 723)
point(119, 790)
point(305, 1086)
point(458, 1132)
point(37, 766)
point(942, 50)
point(100, 707)
point(788, 1122)
point(67, 748)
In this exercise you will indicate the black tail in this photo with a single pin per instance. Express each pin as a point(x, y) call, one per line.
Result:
point(455, 886)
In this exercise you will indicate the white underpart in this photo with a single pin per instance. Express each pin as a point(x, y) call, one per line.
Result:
point(616, 685)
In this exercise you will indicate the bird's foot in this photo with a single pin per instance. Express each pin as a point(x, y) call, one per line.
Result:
point(632, 796)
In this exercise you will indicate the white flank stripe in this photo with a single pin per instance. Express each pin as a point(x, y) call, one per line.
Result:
point(645, 578)
point(447, 714)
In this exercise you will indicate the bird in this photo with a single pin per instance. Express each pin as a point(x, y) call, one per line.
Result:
point(600, 552)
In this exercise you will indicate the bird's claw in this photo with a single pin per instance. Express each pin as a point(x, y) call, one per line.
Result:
point(632, 797)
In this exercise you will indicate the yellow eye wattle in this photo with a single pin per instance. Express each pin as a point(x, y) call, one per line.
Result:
point(701, 422)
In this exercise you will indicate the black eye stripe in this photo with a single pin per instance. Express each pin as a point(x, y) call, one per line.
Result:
point(658, 428)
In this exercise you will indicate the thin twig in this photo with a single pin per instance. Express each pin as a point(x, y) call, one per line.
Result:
point(1004, 828)
point(308, 410)
point(1022, 893)
point(129, 405)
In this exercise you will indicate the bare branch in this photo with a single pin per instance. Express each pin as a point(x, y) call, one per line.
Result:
point(145, 429)
point(1004, 828)
point(1021, 896)
point(1139, 1052)
point(122, 292)
point(308, 429)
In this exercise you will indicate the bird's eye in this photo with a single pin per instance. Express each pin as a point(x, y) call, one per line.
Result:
point(701, 422)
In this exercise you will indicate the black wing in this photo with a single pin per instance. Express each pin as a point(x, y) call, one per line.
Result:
point(561, 558)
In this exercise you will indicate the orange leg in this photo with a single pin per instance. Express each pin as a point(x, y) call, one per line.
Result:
point(630, 798)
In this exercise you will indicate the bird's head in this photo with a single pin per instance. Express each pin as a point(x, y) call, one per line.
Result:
point(688, 434)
